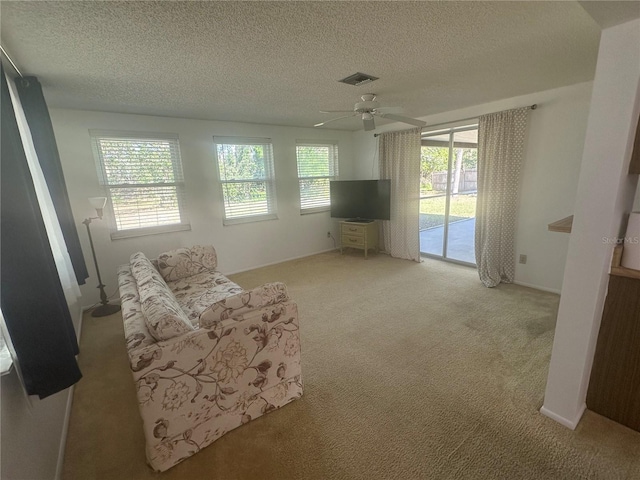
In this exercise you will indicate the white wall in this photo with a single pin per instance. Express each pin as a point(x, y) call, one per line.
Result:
point(33, 430)
point(549, 176)
point(605, 195)
point(239, 247)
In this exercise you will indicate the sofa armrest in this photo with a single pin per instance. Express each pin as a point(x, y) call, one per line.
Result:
point(242, 303)
point(235, 370)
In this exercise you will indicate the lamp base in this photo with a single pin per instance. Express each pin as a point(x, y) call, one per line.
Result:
point(104, 310)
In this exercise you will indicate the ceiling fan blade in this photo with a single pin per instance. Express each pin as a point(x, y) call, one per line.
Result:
point(399, 118)
point(369, 124)
point(385, 110)
point(335, 111)
point(333, 120)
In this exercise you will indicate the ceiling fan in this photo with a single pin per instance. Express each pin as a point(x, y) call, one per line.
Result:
point(367, 109)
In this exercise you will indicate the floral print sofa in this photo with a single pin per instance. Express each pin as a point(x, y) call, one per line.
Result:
point(206, 355)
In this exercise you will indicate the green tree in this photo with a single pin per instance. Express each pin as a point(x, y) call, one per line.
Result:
point(470, 158)
point(436, 159)
point(432, 159)
point(243, 162)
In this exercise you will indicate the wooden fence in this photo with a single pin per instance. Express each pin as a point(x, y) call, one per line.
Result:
point(468, 180)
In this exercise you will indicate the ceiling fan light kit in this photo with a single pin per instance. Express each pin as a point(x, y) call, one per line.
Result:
point(367, 109)
point(368, 103)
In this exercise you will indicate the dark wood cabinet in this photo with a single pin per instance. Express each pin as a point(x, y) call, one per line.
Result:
point(634, 167)
point(614, 389)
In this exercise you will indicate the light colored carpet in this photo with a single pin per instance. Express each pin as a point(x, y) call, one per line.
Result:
point(411, 371)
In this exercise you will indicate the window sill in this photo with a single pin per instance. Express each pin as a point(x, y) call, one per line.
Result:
point(140, 232)
point(308, 211)
point(255, 218)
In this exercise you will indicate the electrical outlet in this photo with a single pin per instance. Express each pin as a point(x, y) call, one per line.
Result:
point(328, 234)
point(523, 259)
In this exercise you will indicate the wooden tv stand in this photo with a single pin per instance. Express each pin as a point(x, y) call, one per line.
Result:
point(362, 235)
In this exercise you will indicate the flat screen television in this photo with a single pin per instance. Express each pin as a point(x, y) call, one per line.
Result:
point(361, 200)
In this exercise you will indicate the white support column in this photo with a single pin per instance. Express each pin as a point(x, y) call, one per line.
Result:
point(605, 194)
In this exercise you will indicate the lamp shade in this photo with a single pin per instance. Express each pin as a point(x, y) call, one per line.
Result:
point(98, 202)
point(631, 252)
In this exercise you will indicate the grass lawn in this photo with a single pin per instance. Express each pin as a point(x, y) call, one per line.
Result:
point(432, 210)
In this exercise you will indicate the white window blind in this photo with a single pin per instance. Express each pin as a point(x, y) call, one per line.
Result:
point(317, 165)
point(143, 176)
point(246, 173)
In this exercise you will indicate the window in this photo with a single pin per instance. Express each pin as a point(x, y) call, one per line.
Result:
point(6, 360)
point(245, 170)
point(317, 165)
point(143, 176)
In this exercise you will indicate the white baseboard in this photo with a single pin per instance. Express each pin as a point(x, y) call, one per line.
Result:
point(67, 412)
point(65, 431)
point(281, 261)
point(80, 318)
point(572, 424)
point(79, 332)
point(538, 287)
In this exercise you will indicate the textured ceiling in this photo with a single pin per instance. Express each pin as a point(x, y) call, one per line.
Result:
point(279, 62)
point(612, 12)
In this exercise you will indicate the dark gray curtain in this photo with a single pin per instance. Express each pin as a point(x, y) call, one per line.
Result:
point(32, 299)
point(37, 114)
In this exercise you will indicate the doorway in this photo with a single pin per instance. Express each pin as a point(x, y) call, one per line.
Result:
point(448, 191)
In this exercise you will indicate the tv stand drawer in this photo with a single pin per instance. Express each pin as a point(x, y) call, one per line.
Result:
point(352, 240)
point(351, 229)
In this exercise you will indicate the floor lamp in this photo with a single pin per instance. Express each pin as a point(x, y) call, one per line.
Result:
point(106, 308)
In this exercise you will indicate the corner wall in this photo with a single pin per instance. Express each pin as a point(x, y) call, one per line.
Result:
point(549, 176)
point(605, 195)
point(239, 247)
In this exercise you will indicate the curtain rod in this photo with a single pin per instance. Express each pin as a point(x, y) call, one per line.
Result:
point(13, 65)
point(532, 107)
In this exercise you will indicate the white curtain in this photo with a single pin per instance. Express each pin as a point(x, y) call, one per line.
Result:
point(501, 139)
point(400, 163)
point(56, 240)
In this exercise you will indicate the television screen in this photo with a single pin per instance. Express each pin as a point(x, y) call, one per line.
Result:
point(361, 199)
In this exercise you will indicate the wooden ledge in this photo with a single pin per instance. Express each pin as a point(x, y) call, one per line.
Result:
point(563, 226)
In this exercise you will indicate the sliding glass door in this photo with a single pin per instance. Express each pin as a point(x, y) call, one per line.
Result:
point(448, 187)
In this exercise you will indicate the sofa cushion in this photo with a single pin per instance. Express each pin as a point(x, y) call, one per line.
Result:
point(184, 262)
point(198, 292)
point(136, 332)
point(163, 316)
point(147, 277)
point(240, 303)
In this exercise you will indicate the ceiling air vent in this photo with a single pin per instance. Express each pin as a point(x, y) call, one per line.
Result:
point(358, 79)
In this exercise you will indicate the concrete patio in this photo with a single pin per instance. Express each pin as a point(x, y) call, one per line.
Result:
point(460, 244)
